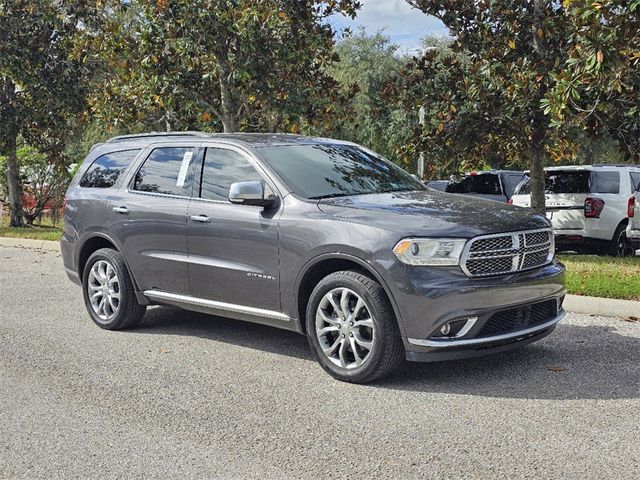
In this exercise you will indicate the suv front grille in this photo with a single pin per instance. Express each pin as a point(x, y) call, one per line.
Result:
point(507, 252)
point(519, 318)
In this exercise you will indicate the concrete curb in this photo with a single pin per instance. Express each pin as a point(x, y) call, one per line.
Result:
point(607, 307)
point(46, 245)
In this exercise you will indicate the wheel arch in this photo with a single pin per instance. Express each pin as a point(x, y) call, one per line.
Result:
point(321, 266)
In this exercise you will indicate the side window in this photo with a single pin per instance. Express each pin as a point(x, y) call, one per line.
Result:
point(635, 181)
point(606, 182)
point(166, 170)
point(221, 168)
point(106, 169)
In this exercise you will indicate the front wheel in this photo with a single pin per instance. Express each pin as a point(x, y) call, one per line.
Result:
point(351, 328)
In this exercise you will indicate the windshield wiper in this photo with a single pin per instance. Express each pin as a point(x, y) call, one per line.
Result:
point(333, 195)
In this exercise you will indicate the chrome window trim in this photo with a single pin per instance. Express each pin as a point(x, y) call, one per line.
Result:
point(517, 261)
point(479, 341)
point(215, 305)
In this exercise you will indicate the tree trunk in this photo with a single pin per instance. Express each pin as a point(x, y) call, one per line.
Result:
point(536, 166)
point(9, 147)
point(228, 103)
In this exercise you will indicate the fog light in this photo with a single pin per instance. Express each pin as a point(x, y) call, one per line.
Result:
point(445, 329)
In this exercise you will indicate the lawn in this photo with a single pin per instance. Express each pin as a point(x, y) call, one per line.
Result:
point(603, 276)
point(37, 232)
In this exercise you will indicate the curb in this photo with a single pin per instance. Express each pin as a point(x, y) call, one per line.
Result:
point(607, 307)
point(47, 245)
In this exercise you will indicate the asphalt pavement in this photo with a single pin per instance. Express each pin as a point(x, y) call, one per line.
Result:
point(186, 395)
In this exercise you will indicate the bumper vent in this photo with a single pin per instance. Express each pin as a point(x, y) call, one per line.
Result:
point(520, 318)
point(507, 252)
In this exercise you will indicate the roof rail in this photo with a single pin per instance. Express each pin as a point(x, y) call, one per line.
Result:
point(122, 138)
point(616, 165)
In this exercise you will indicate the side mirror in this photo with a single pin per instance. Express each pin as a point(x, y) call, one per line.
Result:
point(250, 193)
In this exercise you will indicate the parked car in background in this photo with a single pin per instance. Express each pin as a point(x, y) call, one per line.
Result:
point(440, 185)
point(588, 205)
point(633, 212)
point(314, 235)
point(496, 185)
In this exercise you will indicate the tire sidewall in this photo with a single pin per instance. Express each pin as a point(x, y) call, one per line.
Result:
point(327, 284)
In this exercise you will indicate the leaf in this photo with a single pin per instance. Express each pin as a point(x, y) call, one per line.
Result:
point(600, 56)
point(205, 117)
point(631, 319)
point(512, 44)
point(540, 33)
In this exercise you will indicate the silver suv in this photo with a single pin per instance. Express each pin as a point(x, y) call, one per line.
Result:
point(318, 236)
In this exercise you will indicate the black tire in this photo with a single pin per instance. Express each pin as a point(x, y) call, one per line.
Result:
point(129, 312)
point(387, 351)
point(620, 246)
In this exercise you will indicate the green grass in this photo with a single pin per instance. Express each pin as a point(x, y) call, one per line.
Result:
point(608, 277)
point(37, 232)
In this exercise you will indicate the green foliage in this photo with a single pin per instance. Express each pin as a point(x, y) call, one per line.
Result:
point(215, 65)
point(598, 85)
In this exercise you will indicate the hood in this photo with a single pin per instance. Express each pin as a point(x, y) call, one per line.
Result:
point(432, 213)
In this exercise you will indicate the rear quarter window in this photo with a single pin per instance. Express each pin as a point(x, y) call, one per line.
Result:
point(635, 181)
point(605, 182)
point(106, 169)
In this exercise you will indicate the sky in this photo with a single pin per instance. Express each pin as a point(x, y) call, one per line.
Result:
point(397, 19)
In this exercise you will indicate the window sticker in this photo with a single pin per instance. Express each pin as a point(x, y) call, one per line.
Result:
point(182, 175)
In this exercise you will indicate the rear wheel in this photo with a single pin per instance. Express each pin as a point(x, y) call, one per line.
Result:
point(351, 328)
point(620, 245)
point(108, 291)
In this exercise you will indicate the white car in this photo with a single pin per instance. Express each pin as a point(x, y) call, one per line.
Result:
point(588, 205)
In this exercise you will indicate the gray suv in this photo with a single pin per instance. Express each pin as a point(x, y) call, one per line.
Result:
point(318, 236)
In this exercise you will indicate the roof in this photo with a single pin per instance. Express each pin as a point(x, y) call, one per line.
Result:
point(589, 167)
point(249, 139)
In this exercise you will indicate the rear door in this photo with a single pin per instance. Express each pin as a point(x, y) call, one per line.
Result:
point(150, 217)
point(233, 249)
point(607, 185)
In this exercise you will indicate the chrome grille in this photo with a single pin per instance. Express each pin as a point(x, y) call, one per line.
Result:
point(507, 252)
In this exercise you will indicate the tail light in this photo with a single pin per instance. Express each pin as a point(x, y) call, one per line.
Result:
point(593, 207)
point(631, 206)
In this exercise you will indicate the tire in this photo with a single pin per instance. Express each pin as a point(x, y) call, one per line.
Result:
point(121, 308)
point(620, 246)
point(373, 324)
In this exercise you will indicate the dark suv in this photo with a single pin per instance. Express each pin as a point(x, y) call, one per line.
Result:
point(318, 236)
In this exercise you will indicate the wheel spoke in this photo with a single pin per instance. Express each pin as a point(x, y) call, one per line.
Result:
point(328, 319)
point(332, 348)
point(357, 308)
point(342, 353)
point(367, 322)
point(95, 296)
point(112, 305)
point(333, 303)
point(354, 349)
point(322, 332)
point(344, 303)
point(362, 342)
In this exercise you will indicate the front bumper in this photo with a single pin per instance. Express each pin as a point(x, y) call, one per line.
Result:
point(429, 298)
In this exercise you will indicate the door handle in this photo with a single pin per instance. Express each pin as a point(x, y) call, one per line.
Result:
point(122, 210)
point(200, 219)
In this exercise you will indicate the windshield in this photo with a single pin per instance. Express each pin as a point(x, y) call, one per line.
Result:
point(334, 170)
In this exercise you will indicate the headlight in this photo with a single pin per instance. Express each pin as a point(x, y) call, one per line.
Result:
point(429, 251)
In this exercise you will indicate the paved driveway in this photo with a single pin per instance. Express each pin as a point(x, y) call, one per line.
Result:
point(191, 396)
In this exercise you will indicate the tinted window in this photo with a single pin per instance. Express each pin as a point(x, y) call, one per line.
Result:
point(635, 181)
point(512, 180)
point(166, 170)
point(105, 170)
point(575, 181)
point(222, 168)
point(606, 182)
point(485, 184)
point(321, 171)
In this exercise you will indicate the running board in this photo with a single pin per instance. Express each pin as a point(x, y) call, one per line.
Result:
point(214, 307)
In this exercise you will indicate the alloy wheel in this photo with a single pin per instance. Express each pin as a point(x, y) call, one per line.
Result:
point(103, 288)
point(345, 328)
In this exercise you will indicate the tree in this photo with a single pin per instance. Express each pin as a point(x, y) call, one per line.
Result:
point(599, 84)
point(40, 79)
point(215, 64)
point(367, 63)
point(506, 56)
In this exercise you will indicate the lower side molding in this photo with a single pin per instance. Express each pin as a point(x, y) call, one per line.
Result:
point(213, 306)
